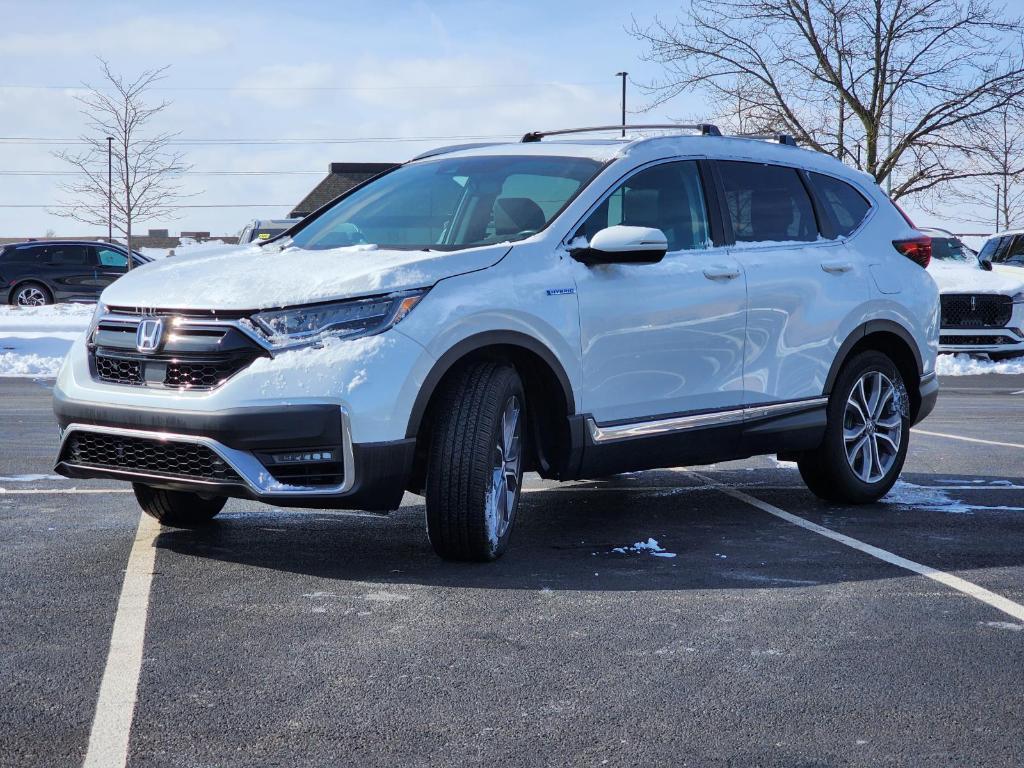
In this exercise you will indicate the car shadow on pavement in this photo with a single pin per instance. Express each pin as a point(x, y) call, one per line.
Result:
point(584, 537)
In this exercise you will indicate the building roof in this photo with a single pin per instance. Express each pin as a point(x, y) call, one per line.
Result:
point(341, 177)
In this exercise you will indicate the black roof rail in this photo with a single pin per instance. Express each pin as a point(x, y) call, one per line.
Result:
point(455, 148)
point(705, 129)
point(778, 138)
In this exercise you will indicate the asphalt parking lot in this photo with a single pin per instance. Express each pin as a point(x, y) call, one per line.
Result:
point(300, 638)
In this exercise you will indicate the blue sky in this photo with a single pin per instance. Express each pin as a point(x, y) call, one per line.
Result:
point(238, 70)
point(310, 70)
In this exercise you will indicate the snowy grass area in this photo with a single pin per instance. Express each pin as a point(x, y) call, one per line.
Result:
point(962, 364)
point(34, 340)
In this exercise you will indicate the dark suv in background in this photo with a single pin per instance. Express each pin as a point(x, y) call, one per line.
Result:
point(41, 272)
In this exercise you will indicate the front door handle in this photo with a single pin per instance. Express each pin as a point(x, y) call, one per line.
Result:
point(719, 272)
point(836, 267)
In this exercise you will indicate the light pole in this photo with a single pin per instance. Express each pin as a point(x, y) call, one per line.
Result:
point(110, 188)
point(623, 76)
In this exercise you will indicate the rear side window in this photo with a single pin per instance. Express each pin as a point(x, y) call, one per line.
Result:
point(847, 206)
point(30, 255)
point(767, 203)
point(67, 256)
point(668, 197)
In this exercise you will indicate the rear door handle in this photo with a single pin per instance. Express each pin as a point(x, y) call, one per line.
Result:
point(721, 273)
point(836, 267)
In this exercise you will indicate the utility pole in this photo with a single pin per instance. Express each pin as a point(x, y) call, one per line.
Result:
point(623, 76)
point(110, 189)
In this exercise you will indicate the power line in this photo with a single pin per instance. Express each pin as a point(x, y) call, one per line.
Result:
point(45, 140)
point(290, 89)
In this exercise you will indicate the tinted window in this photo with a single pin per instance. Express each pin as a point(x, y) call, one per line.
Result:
point(847, 206)
point(767, 203)
point(995, 249)
point(951, 249)
point(108, 257)
point(454, 202)
point(67, 256)
point(1015, 253)
point(668, 197)
point(30, 255)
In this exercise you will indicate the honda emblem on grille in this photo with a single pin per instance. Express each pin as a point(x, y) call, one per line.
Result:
point(148, 334)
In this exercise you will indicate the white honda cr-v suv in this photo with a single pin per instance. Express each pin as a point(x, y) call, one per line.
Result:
point(574, 307)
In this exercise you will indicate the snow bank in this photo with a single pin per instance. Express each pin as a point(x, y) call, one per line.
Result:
point(962, 364)
point(186, 249)
point(34, 340)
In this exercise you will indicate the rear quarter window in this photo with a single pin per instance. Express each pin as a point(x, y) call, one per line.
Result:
point(843, 202)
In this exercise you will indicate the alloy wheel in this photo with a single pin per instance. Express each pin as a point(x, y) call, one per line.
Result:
point(505, 474)
point(873, 426)
point(30, 296)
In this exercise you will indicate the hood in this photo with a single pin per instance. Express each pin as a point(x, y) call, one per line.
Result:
point(253, 277)
point(957, 277)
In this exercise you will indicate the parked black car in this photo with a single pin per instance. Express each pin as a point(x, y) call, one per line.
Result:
point(41, 272)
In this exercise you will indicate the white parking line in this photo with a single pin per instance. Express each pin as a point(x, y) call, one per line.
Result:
point(1016, 610)
point(967, 439)
point(112, 723)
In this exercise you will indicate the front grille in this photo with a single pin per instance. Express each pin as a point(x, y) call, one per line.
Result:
point(965, 310)
point(200, 375)
point(977, 340)
point(119, 371)
point(188, 357)
point(139, 454)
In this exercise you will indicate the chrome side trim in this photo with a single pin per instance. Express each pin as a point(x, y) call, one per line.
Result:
point(634, 430)
point(247, 466)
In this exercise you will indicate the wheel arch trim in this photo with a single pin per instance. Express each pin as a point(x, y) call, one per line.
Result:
point(861, 332)
point(474, 343)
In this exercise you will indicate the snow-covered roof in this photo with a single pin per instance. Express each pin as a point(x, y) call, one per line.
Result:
point(605, 149)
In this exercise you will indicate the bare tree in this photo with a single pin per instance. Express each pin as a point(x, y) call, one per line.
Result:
point(884, 84)
point(998, 195)
point(144, 165)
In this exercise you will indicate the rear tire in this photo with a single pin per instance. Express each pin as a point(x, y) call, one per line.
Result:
point(475, 465)
point(179, 509)
point(31, 294)
point(866, 438)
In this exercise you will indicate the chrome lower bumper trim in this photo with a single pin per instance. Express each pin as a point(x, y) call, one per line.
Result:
point(654, 427)
point(248, 467)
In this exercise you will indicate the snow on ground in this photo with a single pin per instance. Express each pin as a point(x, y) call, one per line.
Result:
point(924, 499)
point(962, 364)
point(650, 546)
point(34, 340)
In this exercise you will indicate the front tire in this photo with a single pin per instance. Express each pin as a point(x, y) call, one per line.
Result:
point(475, 466)
point(865, 444)
point(179, 509)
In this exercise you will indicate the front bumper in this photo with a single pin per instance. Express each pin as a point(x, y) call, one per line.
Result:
point(982, 340)
point(373, 475)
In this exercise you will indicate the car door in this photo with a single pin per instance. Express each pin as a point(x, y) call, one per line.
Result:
point(70, 269)
point(803, 289)
point(111, 263)
point(661, 339)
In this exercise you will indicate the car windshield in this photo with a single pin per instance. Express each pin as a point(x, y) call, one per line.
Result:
point(951, 249)
point(452, 203)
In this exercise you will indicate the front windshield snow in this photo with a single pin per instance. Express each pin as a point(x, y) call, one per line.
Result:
point(951, 249)
point(452, 203)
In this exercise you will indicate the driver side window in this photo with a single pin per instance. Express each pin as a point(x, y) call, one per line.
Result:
point(668, 197)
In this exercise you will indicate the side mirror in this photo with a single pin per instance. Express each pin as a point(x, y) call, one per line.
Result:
point(623, 245)
point(985, 264)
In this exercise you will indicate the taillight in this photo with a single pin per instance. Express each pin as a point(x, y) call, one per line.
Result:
point(917, 249)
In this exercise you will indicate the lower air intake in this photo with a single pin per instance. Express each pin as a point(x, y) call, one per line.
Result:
point(138, 454)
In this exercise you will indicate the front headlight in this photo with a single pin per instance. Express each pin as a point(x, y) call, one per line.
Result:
point(1018, 298)
point(100, 311)
point(342, 319)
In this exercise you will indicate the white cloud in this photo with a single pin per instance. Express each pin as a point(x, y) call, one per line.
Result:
point(144, 35)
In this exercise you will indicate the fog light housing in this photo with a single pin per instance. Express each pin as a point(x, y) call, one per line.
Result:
point(302, 457)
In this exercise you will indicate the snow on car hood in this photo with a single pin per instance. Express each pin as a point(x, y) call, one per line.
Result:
point(964, 277)
point(254, 277)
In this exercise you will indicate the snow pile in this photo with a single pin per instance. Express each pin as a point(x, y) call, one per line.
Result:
point(962, 364)
point(34, 340)
point(650, 546)
point(188, 247)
